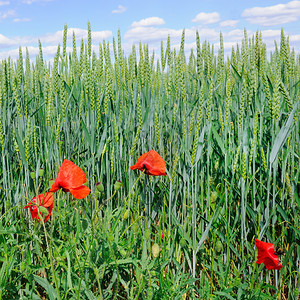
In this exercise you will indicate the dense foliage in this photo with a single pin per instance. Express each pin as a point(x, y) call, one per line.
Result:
point(228, 130)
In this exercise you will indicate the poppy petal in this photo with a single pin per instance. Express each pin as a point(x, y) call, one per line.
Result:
point(155, 170)
point(70, 176)
point(34, 213)
point(271, 264)
point(80, 192)
point(45, 200)
point(266, 254)
point(139, 164)
point(152, 163)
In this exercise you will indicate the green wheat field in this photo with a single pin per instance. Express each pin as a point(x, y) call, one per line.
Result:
point(228, 129)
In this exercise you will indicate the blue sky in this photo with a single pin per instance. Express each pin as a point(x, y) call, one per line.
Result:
point(23, 22)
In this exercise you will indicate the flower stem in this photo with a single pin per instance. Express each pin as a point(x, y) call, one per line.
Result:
point(126, 203)
point(50, 254)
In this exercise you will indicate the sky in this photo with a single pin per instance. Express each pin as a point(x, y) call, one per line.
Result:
point(24, 22)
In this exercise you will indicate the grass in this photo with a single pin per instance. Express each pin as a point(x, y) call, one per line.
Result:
point(228, 130)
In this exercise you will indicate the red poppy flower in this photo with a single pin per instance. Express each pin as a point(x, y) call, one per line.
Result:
point(152, 163)
point(267, 255)
point(45, 200)
point(71, 179)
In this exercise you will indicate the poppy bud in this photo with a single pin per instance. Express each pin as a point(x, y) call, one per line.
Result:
point(44, 211)
point(126, 214)
point(147, 233)
point(182, 242)
point(117, 185)
point(32, 174)
point(155, 250)
point(41, 172)
point(7, 203)
point(219, 246)
point(162, 236)
point(100, 187)
point(135, 227)
point(213, 196)
point(122, 252)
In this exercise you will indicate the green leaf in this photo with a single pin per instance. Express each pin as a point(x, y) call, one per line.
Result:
point(22, 149)
point(200, 145)
point(218, 139)
point(2, 273)
point(69, 279)
point(236, 72)
point(47, 286)
point(3, 231)
point(44, 211)
point(282, 135)
point(32, 295)
point(295, 229)
point(206, 231)
point(225, 295)
point(282, 212)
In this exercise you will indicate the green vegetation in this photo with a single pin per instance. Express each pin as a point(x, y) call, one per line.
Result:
point(229, 132)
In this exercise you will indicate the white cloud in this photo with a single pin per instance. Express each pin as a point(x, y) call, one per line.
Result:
point(16, 20)
point(207, 18)
point(7, 14)
point(271, 33)
point(5, 41)
point(151, 34)
point(236, 34)
point(273, 15)
point(295, 38)
point(4, 3)
point(229, 23)
point(120, 9)
point(152, 21)
point(154, 35)
point(145, 30)
point(99, 36)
